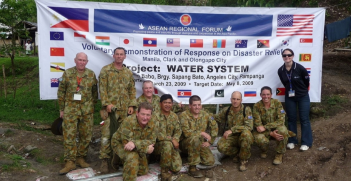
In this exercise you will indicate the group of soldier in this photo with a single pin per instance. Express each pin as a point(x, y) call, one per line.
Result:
point(153, 127)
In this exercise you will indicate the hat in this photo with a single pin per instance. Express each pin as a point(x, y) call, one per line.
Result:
point(56, 126)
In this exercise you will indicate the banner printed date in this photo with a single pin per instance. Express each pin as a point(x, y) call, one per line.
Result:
point(175, 84)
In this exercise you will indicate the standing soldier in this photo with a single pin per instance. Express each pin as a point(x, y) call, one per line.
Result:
point(238, 137)
point(167, 143)
point(133, 140)
point(194, 140)
point(269, 118)
point(117, 92)
point(77, 94)
point(149, 96)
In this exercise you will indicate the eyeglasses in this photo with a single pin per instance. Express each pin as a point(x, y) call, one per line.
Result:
point(289, 55)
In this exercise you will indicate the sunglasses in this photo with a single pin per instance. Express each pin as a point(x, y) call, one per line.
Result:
point(289, 55)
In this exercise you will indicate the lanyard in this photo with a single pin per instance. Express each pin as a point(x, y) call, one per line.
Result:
point(78, 82)
point(289, 77)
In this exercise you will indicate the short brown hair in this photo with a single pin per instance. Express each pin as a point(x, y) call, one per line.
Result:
point(194, 98)
point(145, 105)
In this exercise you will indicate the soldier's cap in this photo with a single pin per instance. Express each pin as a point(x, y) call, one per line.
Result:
point(56, 126)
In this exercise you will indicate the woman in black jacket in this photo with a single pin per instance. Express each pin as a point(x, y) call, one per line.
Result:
point(296, 81)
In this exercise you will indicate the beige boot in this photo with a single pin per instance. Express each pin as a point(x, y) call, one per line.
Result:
point(194, 172)
point(70, 165)
point(104, 166)
point(165, 175)
point(278, 159)
point(243, 165)
point(264, 154)
point(81, 162)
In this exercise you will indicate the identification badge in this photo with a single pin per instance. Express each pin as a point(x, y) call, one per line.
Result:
point(77, 97)
point(291, 93)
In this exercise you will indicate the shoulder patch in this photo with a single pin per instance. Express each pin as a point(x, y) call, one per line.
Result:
point(60, 79)
point(249, 117)
point(282, 111)
point(212, 118)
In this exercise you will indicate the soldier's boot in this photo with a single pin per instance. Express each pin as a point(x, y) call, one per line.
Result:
point(70, 165)
point(278, 159)
point(81, 162)
point(104, 166)
point(243, 165)
point(194, 172)
point(165, 175)
point(115, 161)
point(264, 154)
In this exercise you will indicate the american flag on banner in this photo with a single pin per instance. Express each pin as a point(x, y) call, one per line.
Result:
point(291, 25)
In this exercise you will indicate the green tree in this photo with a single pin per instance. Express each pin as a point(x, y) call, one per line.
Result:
point(12, 15)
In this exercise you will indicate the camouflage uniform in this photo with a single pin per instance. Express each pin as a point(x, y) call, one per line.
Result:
point(241, 139)
point(117, 87)
point(272, 119)
point(135, 162)
point(77, 114)
point(191, 139)
point(156, 103)
point(169, 129)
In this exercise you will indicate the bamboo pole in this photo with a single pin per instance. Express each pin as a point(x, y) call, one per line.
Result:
point(3, 72)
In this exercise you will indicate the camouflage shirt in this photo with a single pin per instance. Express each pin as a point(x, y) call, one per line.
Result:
point(117, 87)
point(155, 102)
point(270, 118)
point(194, 126)
point(236, 121)
point(169, 126)
point(130, 130)
point(68, 87)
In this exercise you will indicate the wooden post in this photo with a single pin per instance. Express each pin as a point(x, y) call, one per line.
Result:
point(3, 72)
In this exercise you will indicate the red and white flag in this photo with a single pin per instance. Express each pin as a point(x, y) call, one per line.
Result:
point(306, 42)
point(126, 41)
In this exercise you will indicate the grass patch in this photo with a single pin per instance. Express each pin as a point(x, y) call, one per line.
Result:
point(39, 157)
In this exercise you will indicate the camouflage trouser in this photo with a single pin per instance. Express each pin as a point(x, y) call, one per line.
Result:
point(196, 153)
point(170, 158)
point(105, 149)
point(71, 124)
point(239, 142)
point(262, 139)
point(134, 163)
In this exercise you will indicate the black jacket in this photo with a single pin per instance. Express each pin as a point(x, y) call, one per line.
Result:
point(300, 80)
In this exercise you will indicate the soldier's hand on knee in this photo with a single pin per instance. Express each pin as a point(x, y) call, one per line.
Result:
point(129, 146)
point(276, 135)
point(150, 149)
point(206, 144)
point(227, 133)
point(175, 144)
point(260, 129)
point(206, 136)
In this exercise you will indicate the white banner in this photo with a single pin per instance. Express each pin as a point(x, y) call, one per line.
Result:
point(184, 50)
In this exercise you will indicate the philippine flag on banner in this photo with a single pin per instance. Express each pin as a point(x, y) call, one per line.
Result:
point(55, 35)
point(196, 43)
point(292, 25)
point(123, 41)
point(184, 93)
point(173, 42)
point(219, 43)
point(74, 18)
point(250, 93)
point(306, 42)
point(79, 37)
point(150, 42)
point(55, 82)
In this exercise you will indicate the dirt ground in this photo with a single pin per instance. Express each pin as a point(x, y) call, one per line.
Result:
point(328, 159)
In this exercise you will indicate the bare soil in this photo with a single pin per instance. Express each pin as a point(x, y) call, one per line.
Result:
point(328, 159)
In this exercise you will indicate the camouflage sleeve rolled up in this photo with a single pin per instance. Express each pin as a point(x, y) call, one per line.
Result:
point(247, 121)
point(61, 92)
point(278, 115)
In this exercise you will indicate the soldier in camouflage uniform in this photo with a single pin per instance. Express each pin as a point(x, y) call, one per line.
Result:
point(194, 140)
point(148, 96)
point(117, 92)
point(238, 137)
point(133, 140)
point(269, 118)
point(77, 94)
point(167, 143)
